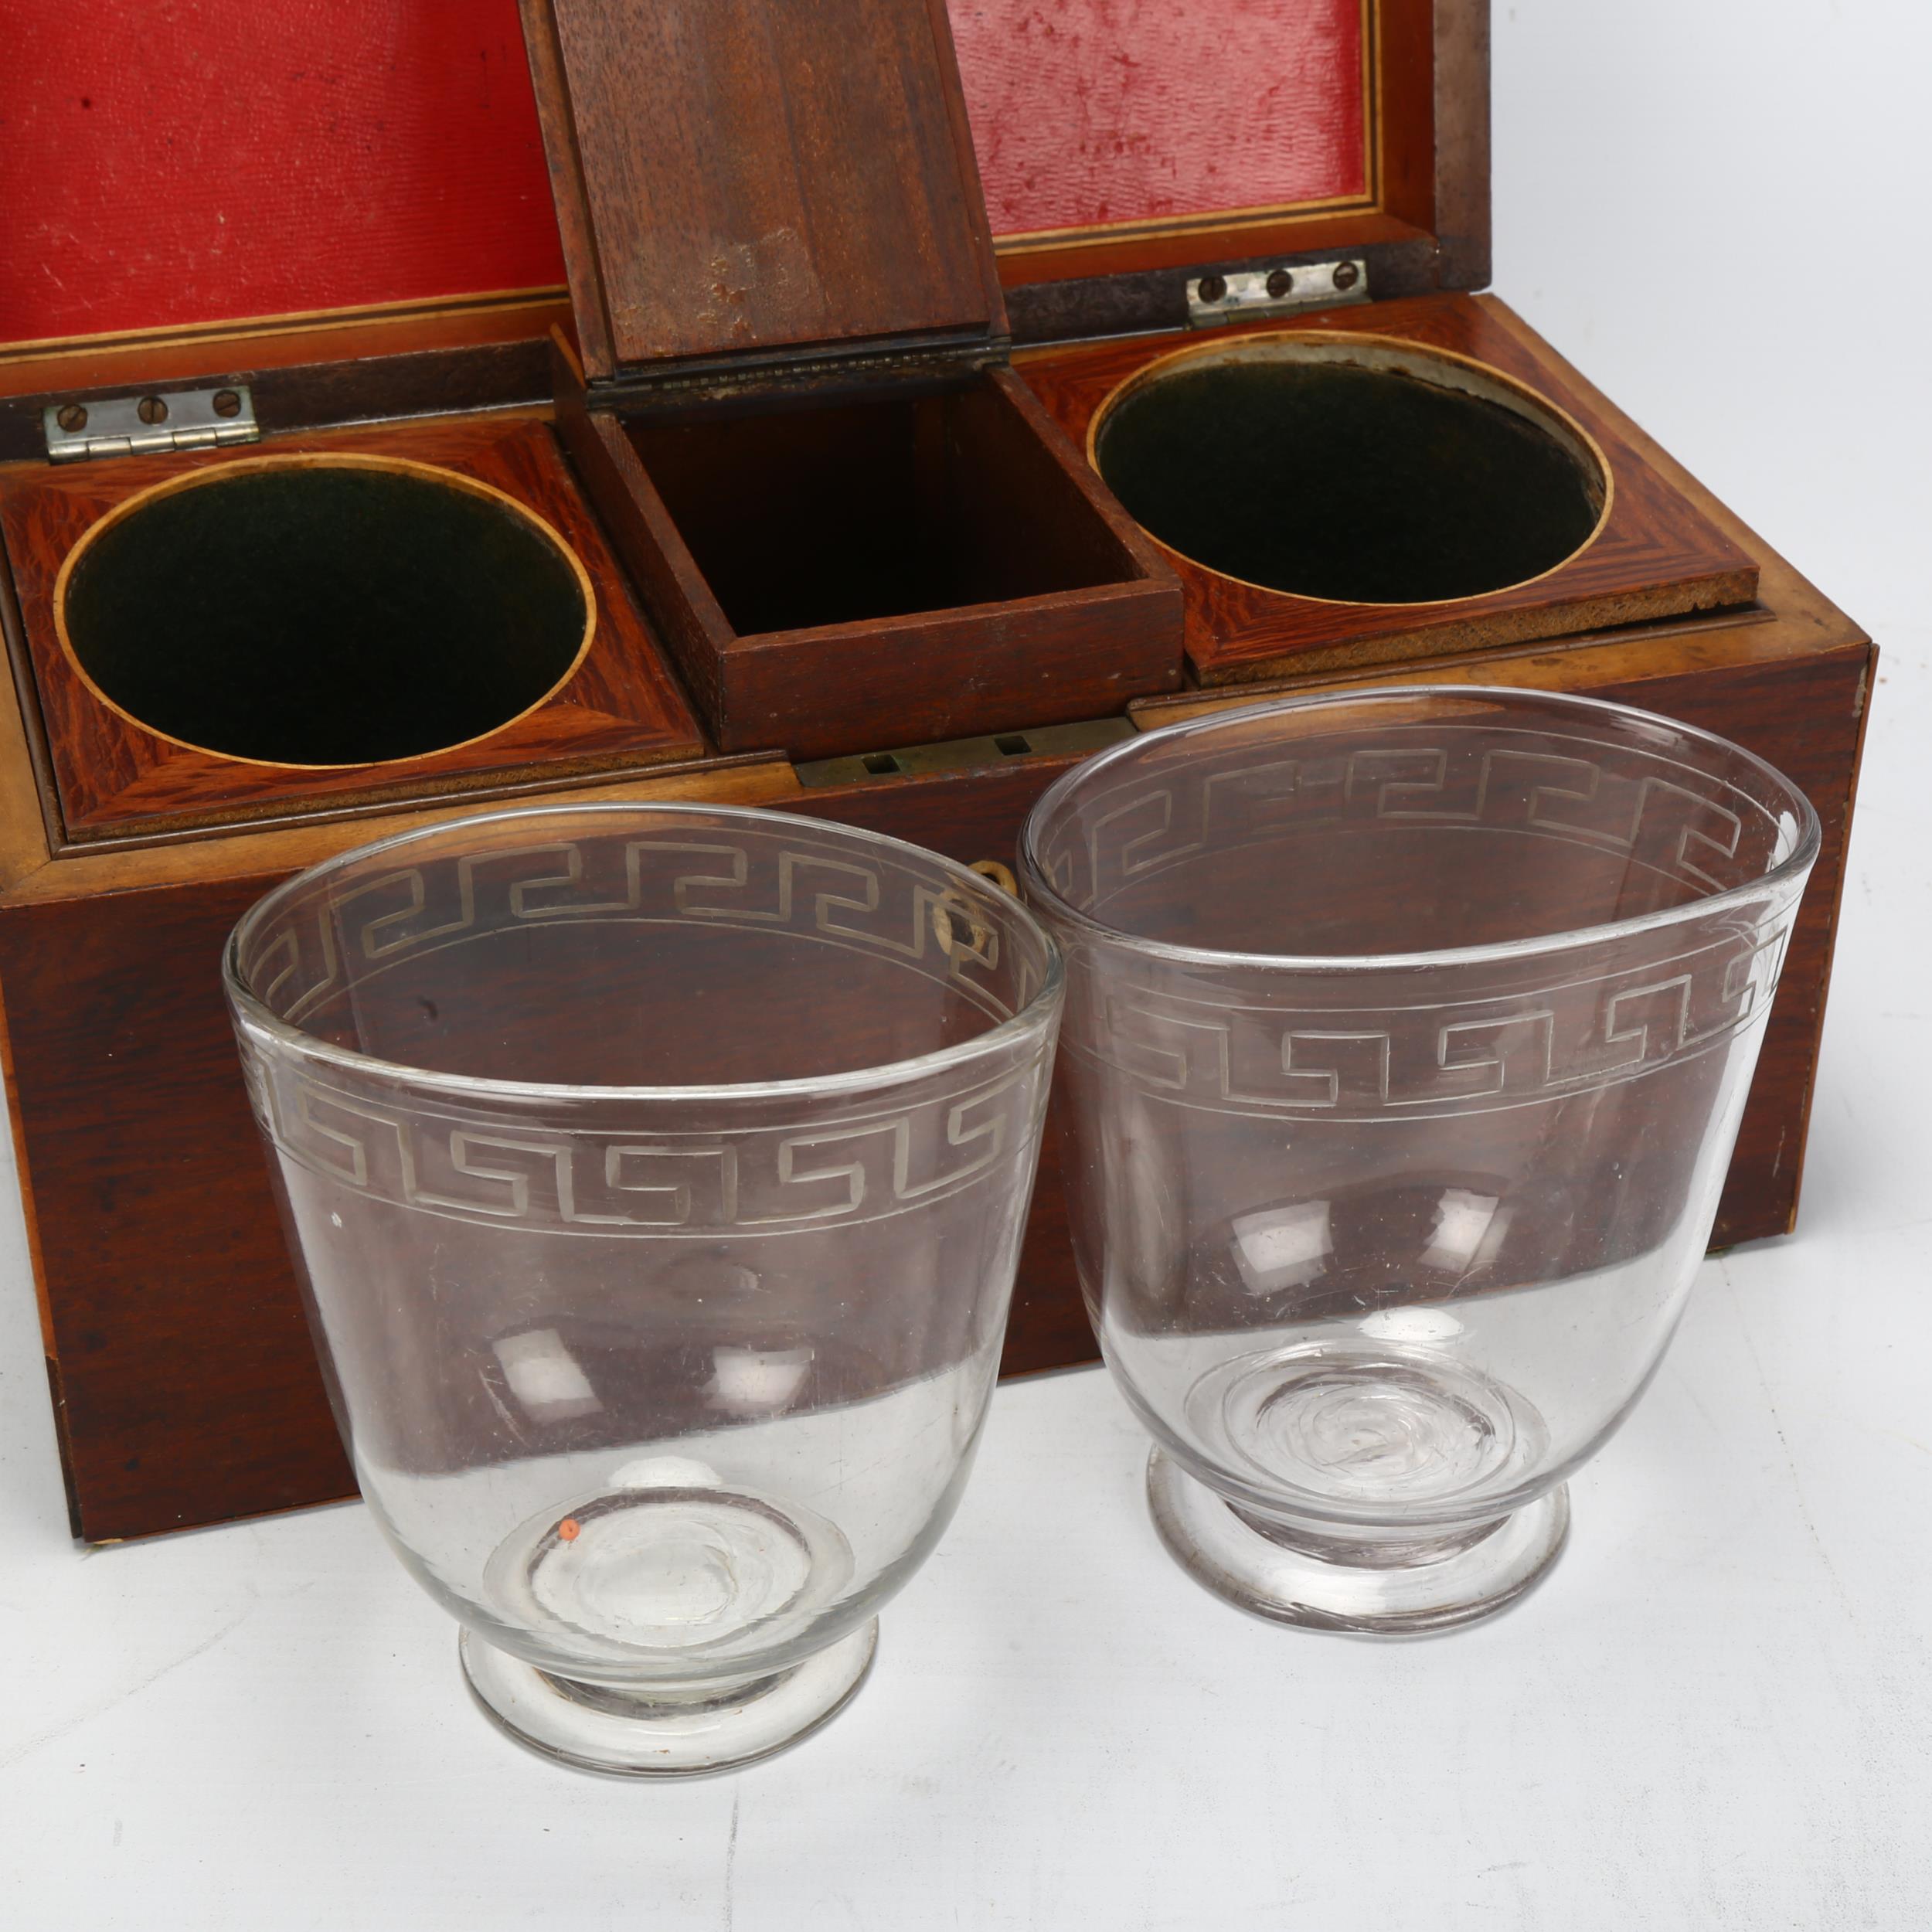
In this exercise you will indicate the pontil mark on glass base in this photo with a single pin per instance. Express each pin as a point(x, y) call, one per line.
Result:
point(1412, 1584)
point(715, 1728)
point(667, 1563)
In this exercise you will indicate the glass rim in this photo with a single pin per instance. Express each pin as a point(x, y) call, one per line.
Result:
point(1795, 864)
point(247, 1008)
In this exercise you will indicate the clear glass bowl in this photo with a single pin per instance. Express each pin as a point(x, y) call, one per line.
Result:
point(1407, 1036)
point(656, 1175)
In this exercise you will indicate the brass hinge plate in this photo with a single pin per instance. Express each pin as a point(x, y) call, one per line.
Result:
point(192, 419)
point(1212, 299)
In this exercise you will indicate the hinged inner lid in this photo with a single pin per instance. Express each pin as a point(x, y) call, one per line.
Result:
point(736, 175)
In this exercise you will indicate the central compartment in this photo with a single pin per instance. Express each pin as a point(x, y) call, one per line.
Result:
point(1355, 470)
point(840, 512)
point(891, 564)
point(313, 611)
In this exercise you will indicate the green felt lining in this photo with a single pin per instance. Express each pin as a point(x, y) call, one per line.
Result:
point(318, 615)
point(1330, 480)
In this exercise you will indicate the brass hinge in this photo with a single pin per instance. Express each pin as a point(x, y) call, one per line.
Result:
point(190, 418)
point(1213, 299)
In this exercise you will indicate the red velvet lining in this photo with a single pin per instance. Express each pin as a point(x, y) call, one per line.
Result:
point(164, 161)
point(1087, 112)
point(174, 161)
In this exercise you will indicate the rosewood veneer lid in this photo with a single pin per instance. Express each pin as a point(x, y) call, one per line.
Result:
point(753, 177)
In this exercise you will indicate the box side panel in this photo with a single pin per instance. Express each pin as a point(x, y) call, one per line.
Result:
point(1808, 718)
point(191, 1395)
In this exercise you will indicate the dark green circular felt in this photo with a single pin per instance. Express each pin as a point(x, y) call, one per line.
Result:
point(325, 616)
point(1333, 480)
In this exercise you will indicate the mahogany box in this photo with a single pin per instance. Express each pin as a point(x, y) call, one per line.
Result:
point(859, 407)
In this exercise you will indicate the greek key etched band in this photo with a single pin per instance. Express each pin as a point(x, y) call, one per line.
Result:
point(883, 1162)
point(1469, 1056)
point(326, 944)
point(1684, 823)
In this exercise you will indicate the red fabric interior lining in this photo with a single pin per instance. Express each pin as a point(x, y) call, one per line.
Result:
point(183, 160)
point(1087, 112)
point(189, 160)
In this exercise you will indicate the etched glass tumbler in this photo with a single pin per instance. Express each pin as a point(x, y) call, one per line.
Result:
point(1407, 1037)
point(656, 1175)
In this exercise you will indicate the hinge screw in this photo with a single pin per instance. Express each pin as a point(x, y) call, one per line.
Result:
point(226, 403)
point(1280, 282)
point(72, 418)
point(1213, 288)
point(1346, 274)
point(152, 409)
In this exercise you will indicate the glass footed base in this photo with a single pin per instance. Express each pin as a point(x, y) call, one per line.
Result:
point(715, 1728)
point(1326, 1577)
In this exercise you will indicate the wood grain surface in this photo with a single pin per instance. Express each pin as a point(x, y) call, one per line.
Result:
point(759, 174)
point(621, 706)
point(945, 562)
point(1658, 553)
point(1459, 205)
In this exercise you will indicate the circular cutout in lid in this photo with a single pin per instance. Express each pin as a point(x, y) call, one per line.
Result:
point(326, 609)
point(1353, 469)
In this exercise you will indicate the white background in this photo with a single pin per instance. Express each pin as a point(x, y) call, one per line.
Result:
point(1718, 1711)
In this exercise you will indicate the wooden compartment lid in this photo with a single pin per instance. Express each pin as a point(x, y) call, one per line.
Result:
point(713, 200)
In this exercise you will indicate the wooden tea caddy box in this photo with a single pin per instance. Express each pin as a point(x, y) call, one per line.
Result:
point(817, 450)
